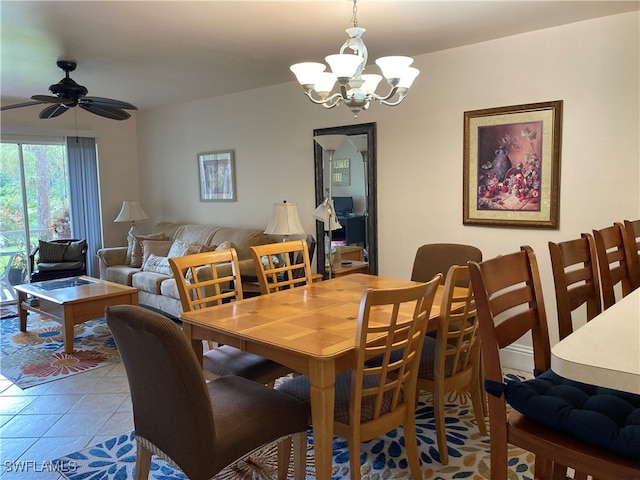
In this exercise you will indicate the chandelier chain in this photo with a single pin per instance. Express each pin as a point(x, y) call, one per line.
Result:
point(354, 17)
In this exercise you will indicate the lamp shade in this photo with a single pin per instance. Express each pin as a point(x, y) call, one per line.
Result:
point(130, 212)
point(325, 213)
point(284, 220)
point(330, 142)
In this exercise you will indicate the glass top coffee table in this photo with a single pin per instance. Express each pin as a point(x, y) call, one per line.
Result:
point(71, 301)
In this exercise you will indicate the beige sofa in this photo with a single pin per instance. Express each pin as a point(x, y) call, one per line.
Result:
point(158, 290)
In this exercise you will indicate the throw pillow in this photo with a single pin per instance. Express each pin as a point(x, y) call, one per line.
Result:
point(180, 249)
point(51, 252)
point(225, 245)
point(157, 264)
point(74, 250)
point(135, 245)
point(157, 247)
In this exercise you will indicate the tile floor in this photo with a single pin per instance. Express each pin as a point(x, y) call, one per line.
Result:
point(45, 422)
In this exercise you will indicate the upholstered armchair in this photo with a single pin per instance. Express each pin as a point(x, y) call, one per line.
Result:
point(54, 259)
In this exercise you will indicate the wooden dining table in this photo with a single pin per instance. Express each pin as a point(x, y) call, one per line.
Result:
point(606, 350)
point(311, 329)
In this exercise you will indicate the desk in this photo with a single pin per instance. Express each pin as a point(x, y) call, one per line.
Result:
point(606, 350)
point(310, 329)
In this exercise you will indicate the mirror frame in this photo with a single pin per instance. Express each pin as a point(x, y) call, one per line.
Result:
point(371, 223)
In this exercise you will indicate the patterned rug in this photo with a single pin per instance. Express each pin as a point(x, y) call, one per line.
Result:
point(383, 458)
point(37, 356)
point(8, 311)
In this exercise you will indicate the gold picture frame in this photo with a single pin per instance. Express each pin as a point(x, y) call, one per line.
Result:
point(217, 176)
point(511, 171)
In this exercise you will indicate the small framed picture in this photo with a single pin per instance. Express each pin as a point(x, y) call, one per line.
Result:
point(511, 171)
point(217, 176)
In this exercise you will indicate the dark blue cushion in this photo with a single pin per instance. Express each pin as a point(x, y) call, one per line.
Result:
point(602, 417)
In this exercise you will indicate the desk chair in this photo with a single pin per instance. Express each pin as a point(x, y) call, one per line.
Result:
point(575, 275)
point(199, 427)
point(612, 263)
point(450, 361)
point(632, 250)
point(205, 280)
point(374, 398)
point(282, 265)
point(434, 258)
point(510, 304)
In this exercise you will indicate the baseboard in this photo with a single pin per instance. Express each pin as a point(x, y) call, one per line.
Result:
point(517, 357)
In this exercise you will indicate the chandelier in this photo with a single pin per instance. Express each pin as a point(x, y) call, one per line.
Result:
point(357, 89)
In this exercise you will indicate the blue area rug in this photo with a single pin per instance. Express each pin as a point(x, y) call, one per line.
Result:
point(382, 458)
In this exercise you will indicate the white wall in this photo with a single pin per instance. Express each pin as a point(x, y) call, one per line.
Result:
point(592, 66)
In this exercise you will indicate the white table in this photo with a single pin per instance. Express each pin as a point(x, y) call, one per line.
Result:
point(606, 350)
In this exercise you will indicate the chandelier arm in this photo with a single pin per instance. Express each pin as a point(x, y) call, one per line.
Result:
point(328, 102)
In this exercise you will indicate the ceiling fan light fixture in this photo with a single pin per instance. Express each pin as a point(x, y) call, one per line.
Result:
point(357, 90)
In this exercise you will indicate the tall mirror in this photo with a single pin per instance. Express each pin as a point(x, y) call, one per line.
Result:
point(347, 176)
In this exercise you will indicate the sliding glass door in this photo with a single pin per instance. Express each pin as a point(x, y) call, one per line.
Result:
point(34, 204)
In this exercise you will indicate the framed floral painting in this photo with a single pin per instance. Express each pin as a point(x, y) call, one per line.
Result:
point(217, 176)
point(511, 172)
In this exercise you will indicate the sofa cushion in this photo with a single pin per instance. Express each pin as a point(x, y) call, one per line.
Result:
point(75, 251)
point(602, 417)
point(157, 247)
point(148, 281)
point(51, 252)
point(121, 274)
point(157, 264)
point(197, 234)
point(134, 250)
point(168, 288)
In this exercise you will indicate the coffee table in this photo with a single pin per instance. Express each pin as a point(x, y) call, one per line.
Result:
point(71, 301)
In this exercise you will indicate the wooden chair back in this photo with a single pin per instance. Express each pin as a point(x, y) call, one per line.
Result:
point(207, 279)
point(612, 263)
point(510, 303)
point(575, 275)
point(451, 361)
point(632, 250)
point(434, 258)
point(282, 265)
point(388, 388)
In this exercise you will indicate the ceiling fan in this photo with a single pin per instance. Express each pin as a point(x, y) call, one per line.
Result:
point(69, 94)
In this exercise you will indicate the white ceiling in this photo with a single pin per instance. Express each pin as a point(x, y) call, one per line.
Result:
point(154, 53)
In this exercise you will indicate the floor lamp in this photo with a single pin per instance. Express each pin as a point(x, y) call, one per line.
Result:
point(325, 211)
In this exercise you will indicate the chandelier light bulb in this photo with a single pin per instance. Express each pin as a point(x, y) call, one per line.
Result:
point(356, 90)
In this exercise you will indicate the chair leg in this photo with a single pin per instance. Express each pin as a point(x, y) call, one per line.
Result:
point(543, 469)
point(477, 400)
point(284, 454)
point(143, 462)
point(411, 444)
point(354, 457)
point(438, 414)
point(300, 455)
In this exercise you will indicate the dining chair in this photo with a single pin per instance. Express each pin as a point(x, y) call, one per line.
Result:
point(205, 280)
point(574, 265)
point(632, 250)
point(200, 427)
point(557, 423)
point(450, 361)
point(372, 399)
point(612, 263)
point(282, 265)
point(434, 258)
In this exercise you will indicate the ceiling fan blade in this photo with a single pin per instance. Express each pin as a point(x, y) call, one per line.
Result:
point(18, 105)
point(108, 112)
point(50, 99)
point(53, 111)
point(106, 102)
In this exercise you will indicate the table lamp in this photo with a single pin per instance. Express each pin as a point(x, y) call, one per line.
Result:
point(284, 221)
point(130, 212)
